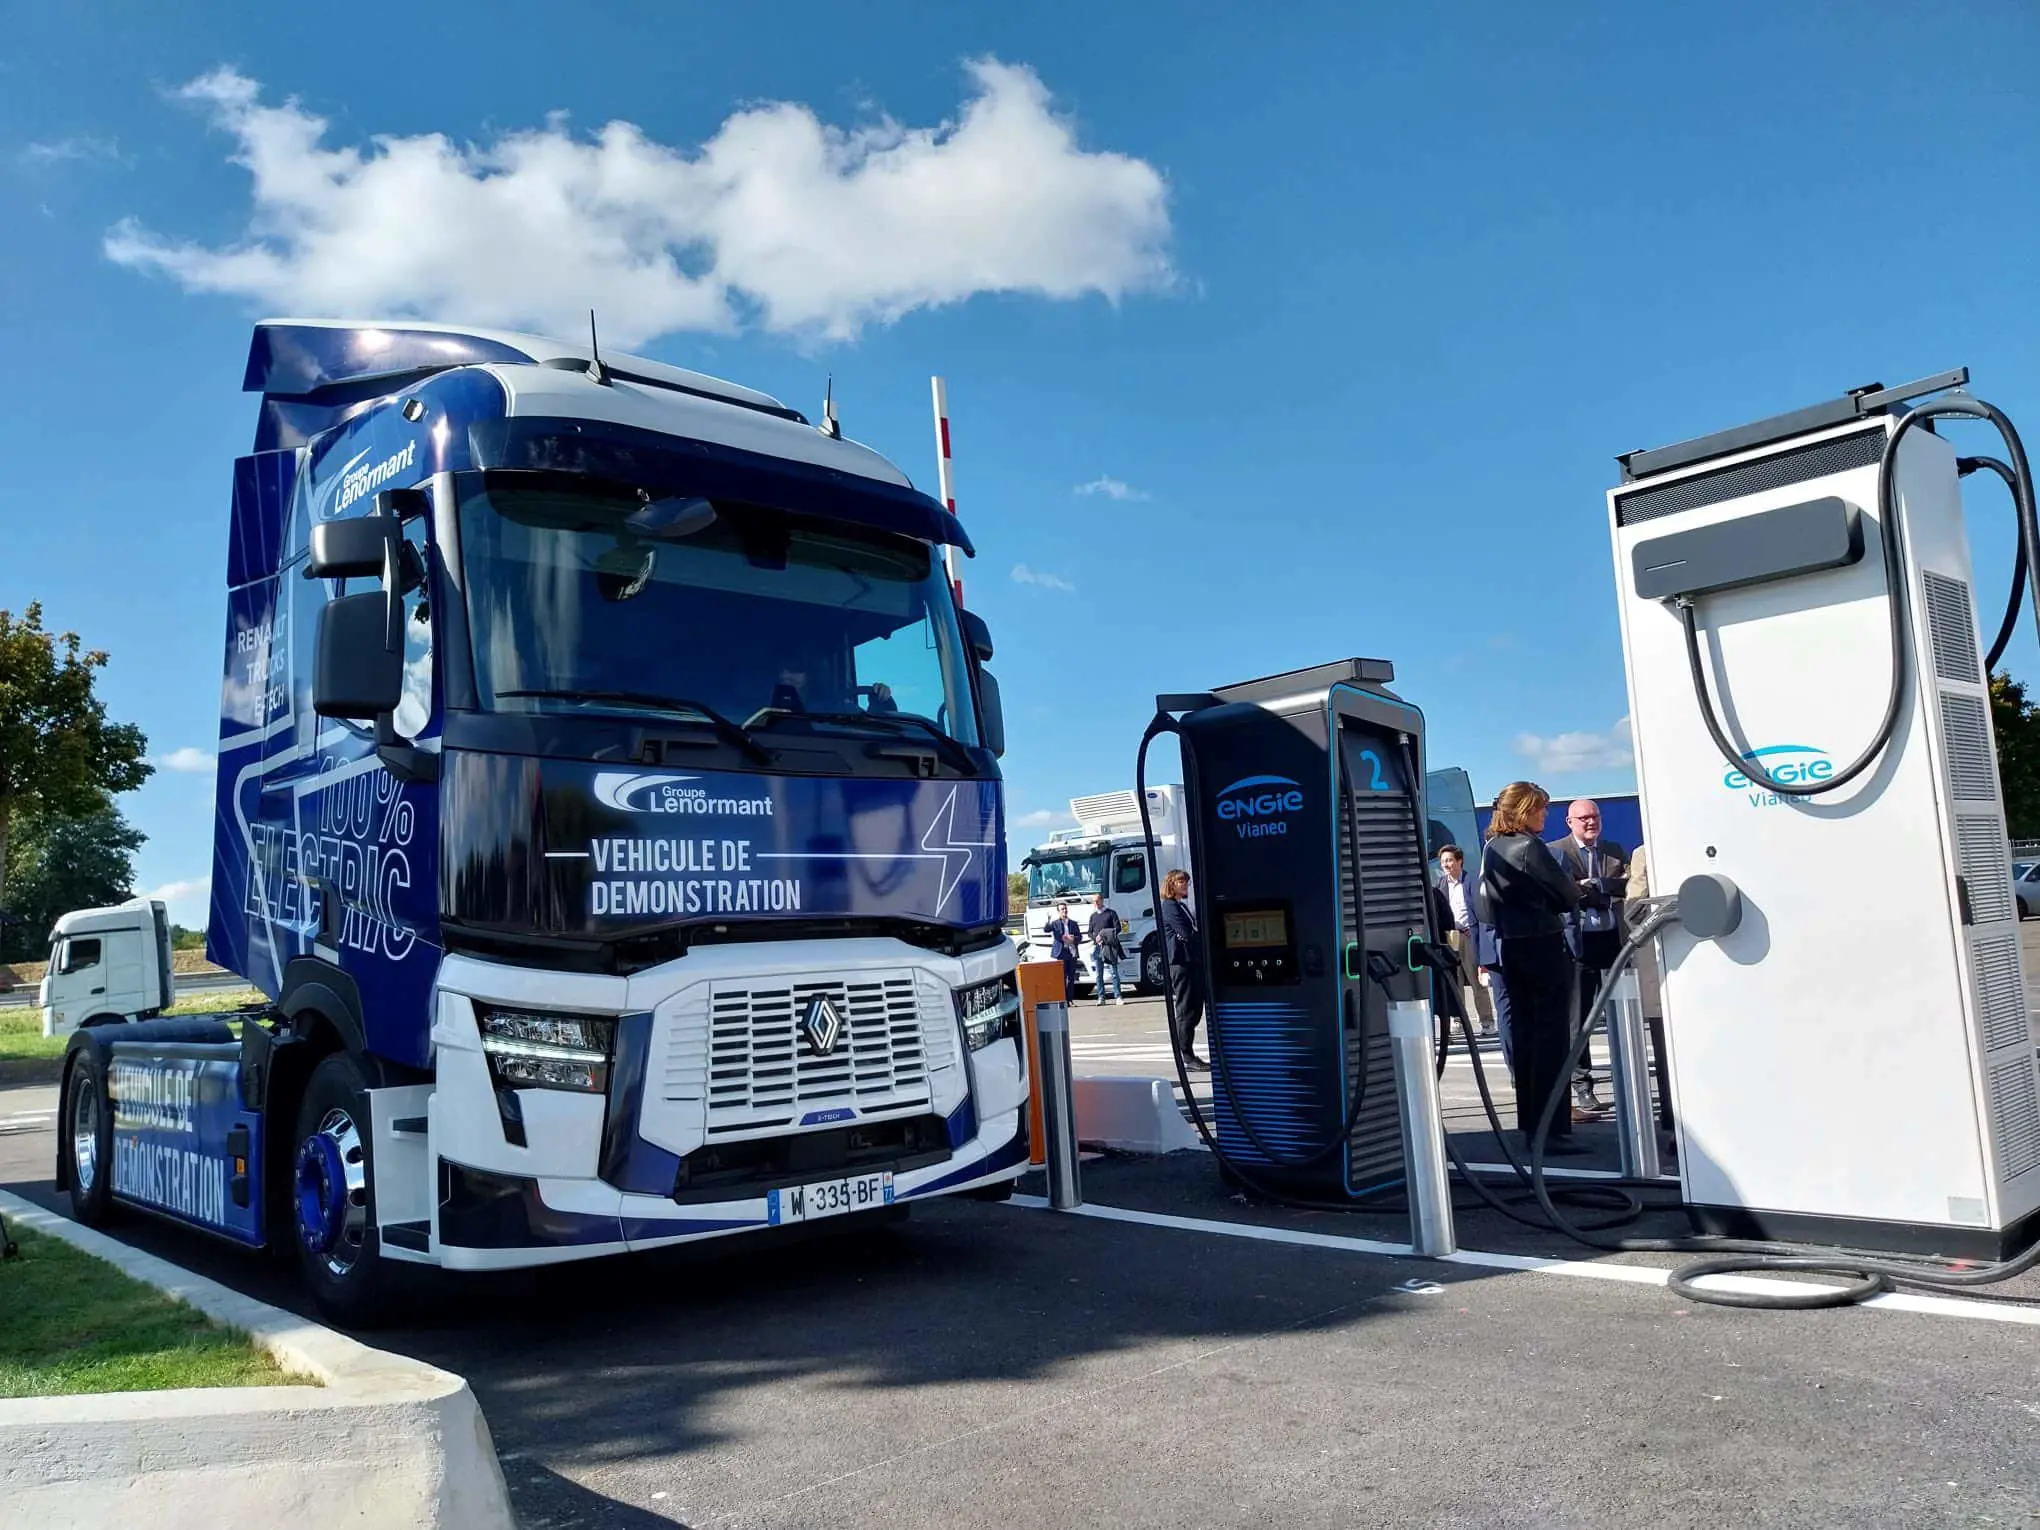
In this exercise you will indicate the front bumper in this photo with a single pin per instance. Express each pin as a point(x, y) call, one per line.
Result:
point(549, 1175)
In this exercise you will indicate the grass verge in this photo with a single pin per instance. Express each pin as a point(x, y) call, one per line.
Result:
point(76, 1324)
point(21, 1036)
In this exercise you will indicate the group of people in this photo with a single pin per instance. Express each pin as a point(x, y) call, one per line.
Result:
point(1537, 927)
point(1104, 932)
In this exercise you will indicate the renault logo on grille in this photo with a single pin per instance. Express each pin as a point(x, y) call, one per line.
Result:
point(821, 1025)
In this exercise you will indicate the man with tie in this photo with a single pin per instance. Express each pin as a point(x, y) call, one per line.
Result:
point(1601, 868)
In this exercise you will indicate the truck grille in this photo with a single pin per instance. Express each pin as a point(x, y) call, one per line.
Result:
point(762, 1074)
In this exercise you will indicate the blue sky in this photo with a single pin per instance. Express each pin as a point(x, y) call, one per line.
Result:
point(1342, 312)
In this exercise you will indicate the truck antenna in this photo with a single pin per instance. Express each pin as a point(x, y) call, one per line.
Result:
point(595, 372)
point(831, 426)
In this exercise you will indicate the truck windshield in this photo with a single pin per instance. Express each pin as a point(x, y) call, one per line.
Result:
point(1078, 877)
point(584, 594)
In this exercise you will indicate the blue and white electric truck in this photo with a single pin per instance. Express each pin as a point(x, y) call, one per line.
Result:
point(609, 808)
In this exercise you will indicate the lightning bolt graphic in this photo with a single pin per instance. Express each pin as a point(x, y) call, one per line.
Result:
point(956, 854)
point(939, 844)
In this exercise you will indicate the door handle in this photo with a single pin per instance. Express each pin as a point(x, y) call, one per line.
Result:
point(99, 990)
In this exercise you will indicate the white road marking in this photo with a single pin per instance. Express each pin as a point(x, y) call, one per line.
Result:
point(1631, 1274)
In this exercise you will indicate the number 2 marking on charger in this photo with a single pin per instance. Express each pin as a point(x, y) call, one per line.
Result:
point(1380, 781)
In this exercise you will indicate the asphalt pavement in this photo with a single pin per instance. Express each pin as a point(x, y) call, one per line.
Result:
point(1145, 1364)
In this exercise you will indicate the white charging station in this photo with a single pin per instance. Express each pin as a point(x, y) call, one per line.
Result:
point(1853, 1064)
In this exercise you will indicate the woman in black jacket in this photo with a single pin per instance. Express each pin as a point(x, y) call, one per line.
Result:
point(1525, 895)
point(1181, 946)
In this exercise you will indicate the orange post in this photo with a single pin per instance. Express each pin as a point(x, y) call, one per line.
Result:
point(1040, 983)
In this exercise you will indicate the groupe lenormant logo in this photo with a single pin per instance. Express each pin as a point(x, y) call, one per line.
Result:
point(659, 792)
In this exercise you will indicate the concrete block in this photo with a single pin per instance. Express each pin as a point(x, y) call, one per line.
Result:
point(381, 1440)
point(1132, 1115)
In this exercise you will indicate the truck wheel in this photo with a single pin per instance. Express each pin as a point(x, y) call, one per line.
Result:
point(87, 1117)
point(1154, 968)
point(332, 1196)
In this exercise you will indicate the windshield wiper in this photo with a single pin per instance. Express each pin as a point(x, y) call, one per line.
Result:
point(735, 734)
point(945, 746)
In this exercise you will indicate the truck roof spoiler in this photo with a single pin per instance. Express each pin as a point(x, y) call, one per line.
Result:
point(315, 373)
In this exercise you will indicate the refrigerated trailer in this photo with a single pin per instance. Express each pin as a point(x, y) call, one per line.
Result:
point(609, 808)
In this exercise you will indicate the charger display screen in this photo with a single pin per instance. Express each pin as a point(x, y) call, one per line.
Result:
point(1256, 928)
point(1256, 944)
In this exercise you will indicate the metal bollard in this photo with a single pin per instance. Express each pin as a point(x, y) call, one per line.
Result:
point(1058, 1105)
point(1629, 1067)
point(1410, 1040)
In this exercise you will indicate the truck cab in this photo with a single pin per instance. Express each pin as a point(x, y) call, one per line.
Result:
point(1106, 853)
point(609, 805)
point(107, 965)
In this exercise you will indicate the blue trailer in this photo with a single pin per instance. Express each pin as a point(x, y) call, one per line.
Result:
point(609, 809)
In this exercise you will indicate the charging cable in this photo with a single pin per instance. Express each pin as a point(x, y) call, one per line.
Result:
point(2018, 477)
point(1710, 907)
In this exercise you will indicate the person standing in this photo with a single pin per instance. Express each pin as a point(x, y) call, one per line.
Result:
point(1525, 895)
point(1065, 941)
point(1106, 951)
point(1183, 946)
point(1455, 884)
point(1600, 867)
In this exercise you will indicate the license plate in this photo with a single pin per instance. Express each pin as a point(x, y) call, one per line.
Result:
point(828, 1198)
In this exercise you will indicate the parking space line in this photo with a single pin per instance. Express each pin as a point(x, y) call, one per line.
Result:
point(1630, 1274)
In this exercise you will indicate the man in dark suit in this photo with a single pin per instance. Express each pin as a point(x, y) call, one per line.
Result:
point(1065, 945)
point(1601, 868)
point(1452, 901)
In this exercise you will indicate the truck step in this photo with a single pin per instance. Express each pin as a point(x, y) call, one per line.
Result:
point(408, 1126)
point(411, 1235)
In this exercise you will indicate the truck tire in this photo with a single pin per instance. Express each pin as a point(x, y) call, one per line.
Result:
point(87, 1136)
point(1154, 967)
point(332, 1196)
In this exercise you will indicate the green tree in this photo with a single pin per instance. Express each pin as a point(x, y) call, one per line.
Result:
point(58, 864)
point(59, 756)
point(1016, 892)
point(182, 939)
point(2016, 721)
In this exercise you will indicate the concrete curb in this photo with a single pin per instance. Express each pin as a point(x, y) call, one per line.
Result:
point(1132, 1115)
point(382, 1440)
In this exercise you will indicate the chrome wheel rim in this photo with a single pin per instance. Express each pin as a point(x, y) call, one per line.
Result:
point(84, 1135)
point(1157, 972)
point(332, 1192)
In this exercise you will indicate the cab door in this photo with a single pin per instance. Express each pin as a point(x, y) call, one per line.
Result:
point(77, 981)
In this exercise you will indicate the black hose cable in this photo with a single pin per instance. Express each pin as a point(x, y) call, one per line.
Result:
point(1953, 406)
point(1865, 1275)
point(1965, 466)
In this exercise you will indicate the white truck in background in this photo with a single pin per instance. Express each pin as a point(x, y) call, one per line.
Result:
point(107, 965)
point(1104, 853)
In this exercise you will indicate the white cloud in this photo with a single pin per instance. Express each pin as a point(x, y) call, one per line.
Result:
point(69, 150)
point(190, 760)
point(1112, 488)
point(1022, 574)
point(1566, 752)
point(778, 219)
point(1040, 818)
point(185, 901)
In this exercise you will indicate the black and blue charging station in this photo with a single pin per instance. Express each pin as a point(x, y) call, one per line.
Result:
point(1304, 797)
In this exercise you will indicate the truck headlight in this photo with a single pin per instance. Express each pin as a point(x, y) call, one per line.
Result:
point(534, 1051)
point(989, 1011)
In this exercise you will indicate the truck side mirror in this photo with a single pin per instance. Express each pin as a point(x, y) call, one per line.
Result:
point(356, 672)
point(992, 721)
point(358, 548)
point(976, 636)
